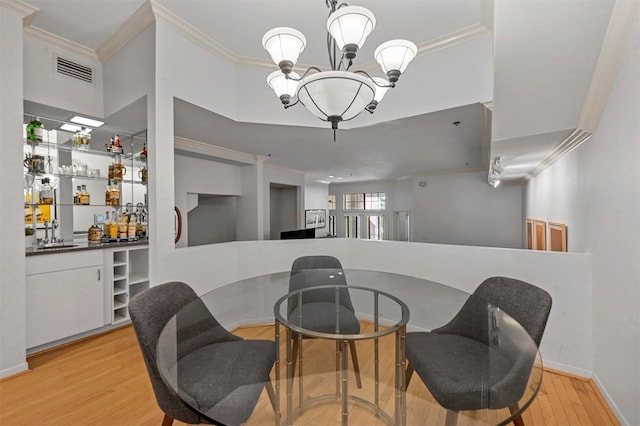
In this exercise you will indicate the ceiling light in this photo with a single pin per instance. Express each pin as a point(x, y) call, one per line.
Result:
point(339, 94)
point(497, 165)
point(86, 121)
point(73, 128)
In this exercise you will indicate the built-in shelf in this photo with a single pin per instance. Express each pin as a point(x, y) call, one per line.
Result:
point(130, 268)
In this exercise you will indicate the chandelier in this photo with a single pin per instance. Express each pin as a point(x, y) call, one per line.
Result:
point(339, 94)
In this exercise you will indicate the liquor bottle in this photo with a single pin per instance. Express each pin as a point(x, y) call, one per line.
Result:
point(46, 192)
point(143, 153)
point(115, 195)
point(84, 196)
point(123, 226)
point(35, 131)
point(131, 231)
point(76, 196)
point(113, 226)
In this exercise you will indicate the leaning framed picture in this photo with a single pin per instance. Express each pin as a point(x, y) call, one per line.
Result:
point(557, 236)
point(316, 218)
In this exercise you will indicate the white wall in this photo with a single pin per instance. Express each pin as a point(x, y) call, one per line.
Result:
point(463, 209)
point(130, 73)
point(12, 262)
point(281, 176)
point(43, 84)
point(596, 192)
point(212, 221)
point(457, 208)
point(316, 196)
point(559, 195)
point(198, 176)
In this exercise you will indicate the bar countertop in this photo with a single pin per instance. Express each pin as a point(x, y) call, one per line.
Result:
point(81, 246)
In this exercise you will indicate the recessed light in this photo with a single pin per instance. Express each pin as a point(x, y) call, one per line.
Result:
point(87, 121)
point(331, 176)
point(73, 128)
point(339, 177)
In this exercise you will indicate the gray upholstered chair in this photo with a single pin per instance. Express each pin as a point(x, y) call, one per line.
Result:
point(465, 366)
point(319, 305)
point(223, 374)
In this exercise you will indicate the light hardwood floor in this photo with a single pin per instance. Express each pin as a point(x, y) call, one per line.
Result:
point(103, 381)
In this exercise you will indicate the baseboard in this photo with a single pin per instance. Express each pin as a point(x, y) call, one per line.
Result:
point(16, 370)
point(610, 402)
point(560, 367)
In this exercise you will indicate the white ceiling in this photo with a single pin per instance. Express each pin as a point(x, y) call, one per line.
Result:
point(563, 35)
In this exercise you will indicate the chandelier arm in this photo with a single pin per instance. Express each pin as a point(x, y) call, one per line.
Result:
point(392, 85)
point(288, 76)
point(293, 104)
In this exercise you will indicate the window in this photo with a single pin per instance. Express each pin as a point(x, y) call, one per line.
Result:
point(354, 201)
point(374, 201)
point(351, 226)
point(332, 201)
point(375, 227)
point(365, 201)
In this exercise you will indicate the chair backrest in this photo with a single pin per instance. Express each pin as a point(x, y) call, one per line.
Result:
point(527, 304)
point(150, 311)
point(311, 271)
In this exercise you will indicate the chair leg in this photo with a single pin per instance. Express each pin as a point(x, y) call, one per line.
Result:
point(408, 374)
point(451, 419)
point(518, 420)
point(356, 367)
point(294, 355)
point(167, 421)
point(272, 395)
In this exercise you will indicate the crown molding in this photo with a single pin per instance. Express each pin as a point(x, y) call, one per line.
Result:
point(453, 39)
point(444, 42)
point(285, 169)
point(209, 150)
point(571, 142)
point(619, 32)
point(60, 43)
point(183, 28)
point(23, 9)
point(127, 31)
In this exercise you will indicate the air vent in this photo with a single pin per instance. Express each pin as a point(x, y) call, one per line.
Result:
point(74, 70)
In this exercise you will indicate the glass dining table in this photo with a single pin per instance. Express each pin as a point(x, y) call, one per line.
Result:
point(386, 305)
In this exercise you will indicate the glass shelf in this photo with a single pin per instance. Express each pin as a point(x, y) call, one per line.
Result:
point(92, 151)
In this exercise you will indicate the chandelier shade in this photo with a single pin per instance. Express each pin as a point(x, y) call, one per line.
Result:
point(284, 44)
point(351, 25)
point(330, 94)
point(395, 55)
point(282, 85)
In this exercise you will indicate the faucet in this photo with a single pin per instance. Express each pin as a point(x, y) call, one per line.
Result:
point(54, 225)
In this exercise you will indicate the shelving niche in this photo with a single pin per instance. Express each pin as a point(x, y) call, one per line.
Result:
point(68, 165)
point(129, 276)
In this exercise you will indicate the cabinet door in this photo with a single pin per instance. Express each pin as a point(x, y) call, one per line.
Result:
point(63, 303)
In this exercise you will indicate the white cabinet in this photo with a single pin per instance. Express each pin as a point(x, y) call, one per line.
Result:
point(64, 295)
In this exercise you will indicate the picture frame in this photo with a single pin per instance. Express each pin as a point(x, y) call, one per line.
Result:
point(557, 236)
point(315, 218)
point(535, 234)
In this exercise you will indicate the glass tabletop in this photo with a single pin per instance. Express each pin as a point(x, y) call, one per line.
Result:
point(382, 302)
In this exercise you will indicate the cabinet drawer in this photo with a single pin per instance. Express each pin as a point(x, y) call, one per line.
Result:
point(62, 261)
